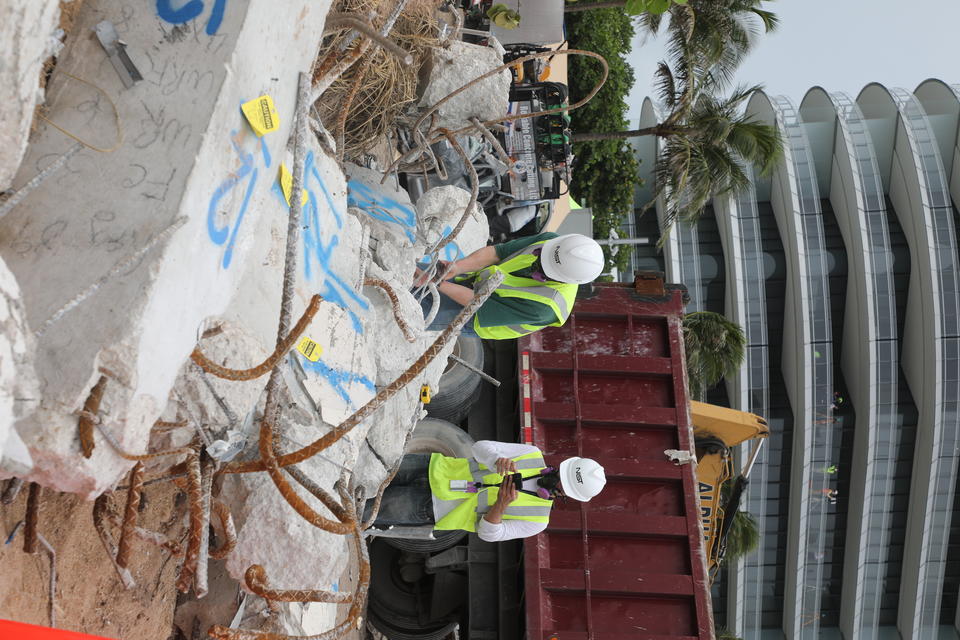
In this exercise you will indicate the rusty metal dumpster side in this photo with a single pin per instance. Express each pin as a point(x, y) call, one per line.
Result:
point(610, 384)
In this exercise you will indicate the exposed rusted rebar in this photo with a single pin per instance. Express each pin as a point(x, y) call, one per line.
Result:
point(318, 492)
point(343, 20)
point(289, 494)
point(90, 408)
point(494, 143)
point(228, 530)
point(341, 128)
point(256, 579)
point(403, 158)
point(395, 303)
point(195, 498)
point(31, 519)
point(281, 350)
point(358, 601)
point(100, 511)
point(163, 425)
point(130, 514)
point(139, 456)
point(469, 209)
point(480, 296)
point(200, 582)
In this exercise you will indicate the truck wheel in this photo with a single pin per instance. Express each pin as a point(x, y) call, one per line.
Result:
point(458, 385)
point(434, 435)
point(396, 604)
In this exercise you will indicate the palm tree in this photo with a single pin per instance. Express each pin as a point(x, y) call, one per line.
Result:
point(715, 348)
point(712, 35)
point(743, 537)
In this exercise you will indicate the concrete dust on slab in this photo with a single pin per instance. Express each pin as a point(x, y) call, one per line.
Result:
point(27, 38)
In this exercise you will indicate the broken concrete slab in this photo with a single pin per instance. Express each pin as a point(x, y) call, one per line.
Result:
point(186, 151)
point(19, 391)
point(453, 67)
point(27, 39)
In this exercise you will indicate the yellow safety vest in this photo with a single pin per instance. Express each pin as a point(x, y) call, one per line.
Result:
point(474, 505)
point(559, 296)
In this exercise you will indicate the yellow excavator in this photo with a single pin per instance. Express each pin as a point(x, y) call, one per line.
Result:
point(716, 431)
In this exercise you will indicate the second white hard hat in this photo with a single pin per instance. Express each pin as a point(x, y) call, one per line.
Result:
point(572, 258)
point(582, 478)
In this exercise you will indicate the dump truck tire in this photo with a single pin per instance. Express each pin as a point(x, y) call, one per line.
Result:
point(459, 386)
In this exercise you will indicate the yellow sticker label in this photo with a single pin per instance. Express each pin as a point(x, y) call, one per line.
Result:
point(310, 349)
point(425, 394)
point(286, 185)
point(261, 114)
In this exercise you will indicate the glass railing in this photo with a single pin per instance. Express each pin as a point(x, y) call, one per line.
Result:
point(945, 421)
point(878, 412)
point(751, 285)
point(816, 410)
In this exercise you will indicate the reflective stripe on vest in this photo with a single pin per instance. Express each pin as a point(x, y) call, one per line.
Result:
point(472, 506)
point(559, 296)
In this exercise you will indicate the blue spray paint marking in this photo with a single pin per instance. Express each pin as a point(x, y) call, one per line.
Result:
point(221, 235)
point(382, 207)
point(450, 252)
point(317, 256)
point(338, 378)
point(191, 10)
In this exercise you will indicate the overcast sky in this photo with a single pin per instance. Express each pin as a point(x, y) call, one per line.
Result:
point(840, 45)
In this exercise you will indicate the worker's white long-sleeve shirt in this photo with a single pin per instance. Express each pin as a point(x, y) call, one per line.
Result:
point(486, 453)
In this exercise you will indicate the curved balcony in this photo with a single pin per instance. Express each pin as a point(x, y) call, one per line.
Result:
point(870, 357)
point(738, 220)
point(931, 345)
point(807, 363)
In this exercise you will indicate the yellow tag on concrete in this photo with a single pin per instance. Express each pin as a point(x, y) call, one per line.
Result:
point(425, 394)
point(286, 185)
point(261, 114)
point(310, 349)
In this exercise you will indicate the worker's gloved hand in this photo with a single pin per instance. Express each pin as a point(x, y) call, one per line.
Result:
point(505, 466)
point(507, 493)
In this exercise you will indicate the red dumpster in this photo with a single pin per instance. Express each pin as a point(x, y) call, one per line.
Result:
point(610, 385)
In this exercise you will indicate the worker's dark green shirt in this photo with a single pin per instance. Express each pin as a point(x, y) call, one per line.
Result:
point(498, 311)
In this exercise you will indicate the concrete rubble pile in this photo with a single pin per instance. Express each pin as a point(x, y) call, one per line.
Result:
point(172, 237)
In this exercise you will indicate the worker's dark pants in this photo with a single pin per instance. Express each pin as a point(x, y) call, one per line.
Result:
point(448, 311)
point(407, 501)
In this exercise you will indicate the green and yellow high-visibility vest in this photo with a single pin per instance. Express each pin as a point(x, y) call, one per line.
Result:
point(559, 296)
point(474, 505)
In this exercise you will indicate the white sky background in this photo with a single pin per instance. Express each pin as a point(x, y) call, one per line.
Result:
point(841, 45)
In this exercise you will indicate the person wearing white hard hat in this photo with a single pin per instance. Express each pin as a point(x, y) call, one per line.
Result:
point(503, 492)
point(542, 273)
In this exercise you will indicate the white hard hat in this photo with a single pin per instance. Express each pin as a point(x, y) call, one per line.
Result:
point(572, 258)
point(581, 478)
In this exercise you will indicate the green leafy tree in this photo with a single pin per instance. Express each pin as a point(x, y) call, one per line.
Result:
point(712, 36)
point(605, 171)
point(632, 7)
point(743, 537)
point(715, 348)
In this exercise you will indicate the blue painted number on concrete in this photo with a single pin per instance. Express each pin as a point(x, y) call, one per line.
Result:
point(382, 207)
point(225, 235)
point(190, 10)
